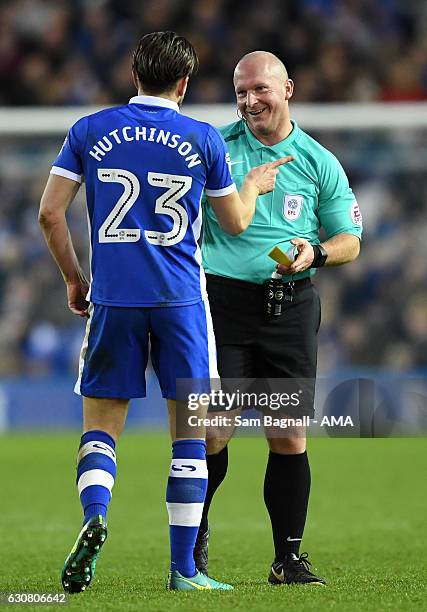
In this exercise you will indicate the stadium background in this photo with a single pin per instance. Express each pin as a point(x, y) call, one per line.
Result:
point(57, 57)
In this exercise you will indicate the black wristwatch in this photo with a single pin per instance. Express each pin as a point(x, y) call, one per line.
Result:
point(320, 256)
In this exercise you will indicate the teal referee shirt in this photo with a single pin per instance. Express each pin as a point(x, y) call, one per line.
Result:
point(311, 191)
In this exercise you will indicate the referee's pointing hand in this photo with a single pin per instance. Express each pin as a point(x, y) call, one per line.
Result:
point(264, 176)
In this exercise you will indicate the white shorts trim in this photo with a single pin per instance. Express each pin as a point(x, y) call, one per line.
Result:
point(83, 351)
point(213, 365)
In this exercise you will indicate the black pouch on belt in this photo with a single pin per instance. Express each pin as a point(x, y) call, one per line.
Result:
point(276, 294)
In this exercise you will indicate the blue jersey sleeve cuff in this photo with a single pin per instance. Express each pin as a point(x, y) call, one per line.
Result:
point(217, 193)
point(66, 174)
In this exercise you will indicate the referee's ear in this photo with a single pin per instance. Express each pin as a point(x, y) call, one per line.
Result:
point(289, 88)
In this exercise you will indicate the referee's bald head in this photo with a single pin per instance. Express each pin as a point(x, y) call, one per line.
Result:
point(268, 61)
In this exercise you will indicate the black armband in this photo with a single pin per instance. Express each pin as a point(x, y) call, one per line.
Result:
point(320, 256)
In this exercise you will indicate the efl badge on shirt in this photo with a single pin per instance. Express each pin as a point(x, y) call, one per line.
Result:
point(292, 206)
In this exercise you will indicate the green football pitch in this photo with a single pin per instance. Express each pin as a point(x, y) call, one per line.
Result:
point(366, 530)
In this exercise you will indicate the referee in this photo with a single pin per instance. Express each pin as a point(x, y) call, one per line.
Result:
point(311, 192)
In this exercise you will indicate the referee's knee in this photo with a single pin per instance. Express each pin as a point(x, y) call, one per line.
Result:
point(294, 445)
point(215, 445)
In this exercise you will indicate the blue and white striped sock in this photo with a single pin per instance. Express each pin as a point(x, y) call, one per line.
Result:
point(185, 495)
point(96, 472)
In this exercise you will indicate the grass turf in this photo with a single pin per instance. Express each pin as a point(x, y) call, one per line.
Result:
point(365, 532)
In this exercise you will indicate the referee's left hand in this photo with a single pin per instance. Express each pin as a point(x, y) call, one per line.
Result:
point(303, 260)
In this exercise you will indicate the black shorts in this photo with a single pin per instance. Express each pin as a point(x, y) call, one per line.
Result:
point(252, 346)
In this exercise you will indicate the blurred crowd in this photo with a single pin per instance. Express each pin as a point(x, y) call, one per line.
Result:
point(67, 52)
point(71, 53)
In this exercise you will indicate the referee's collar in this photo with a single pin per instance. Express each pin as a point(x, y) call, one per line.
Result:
point(278, 147)
point(155, 101)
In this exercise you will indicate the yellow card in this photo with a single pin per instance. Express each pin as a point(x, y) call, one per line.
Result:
point(279, 256)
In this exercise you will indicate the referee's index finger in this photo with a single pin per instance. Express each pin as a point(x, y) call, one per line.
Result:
point(281, 161)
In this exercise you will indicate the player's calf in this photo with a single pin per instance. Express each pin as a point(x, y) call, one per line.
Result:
point(96, 472)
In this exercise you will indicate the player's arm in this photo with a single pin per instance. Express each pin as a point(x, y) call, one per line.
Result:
point(235, 210)
point(57, 196)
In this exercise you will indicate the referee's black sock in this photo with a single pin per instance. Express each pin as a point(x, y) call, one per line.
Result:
point(286, 493)
point(217, 469)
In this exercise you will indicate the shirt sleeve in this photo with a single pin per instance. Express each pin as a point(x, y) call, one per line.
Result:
point(338, 209)
point(219, 181)
point(69, 160)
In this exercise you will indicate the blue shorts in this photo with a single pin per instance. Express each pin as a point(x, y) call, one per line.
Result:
point(118, 339)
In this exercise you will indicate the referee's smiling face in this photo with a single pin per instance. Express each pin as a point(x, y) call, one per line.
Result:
point(262, 92)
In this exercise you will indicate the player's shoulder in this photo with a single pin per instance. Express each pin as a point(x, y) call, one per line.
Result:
point(105, 113)
point(101, 116)
point(200, 127)
point(214, 135)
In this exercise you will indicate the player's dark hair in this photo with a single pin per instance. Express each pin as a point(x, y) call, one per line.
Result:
point(161, 59)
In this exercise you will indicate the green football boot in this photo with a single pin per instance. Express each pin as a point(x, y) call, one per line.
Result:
point(199, 582)
point(79, 566)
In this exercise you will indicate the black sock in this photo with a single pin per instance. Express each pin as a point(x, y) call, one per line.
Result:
point(217, 469)
point(286, 493)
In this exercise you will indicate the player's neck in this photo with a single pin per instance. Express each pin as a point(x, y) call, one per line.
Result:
point(168, 96)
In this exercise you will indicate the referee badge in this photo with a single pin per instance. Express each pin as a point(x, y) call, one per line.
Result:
point(292, 207)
